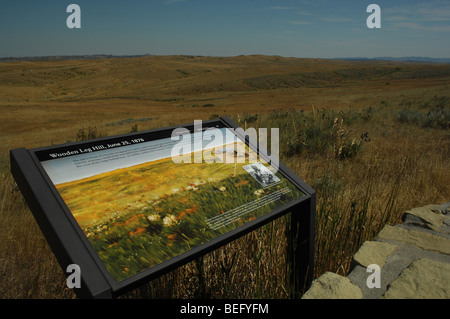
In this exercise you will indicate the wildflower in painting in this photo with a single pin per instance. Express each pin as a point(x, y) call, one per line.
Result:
point(222, 189)
point(137, 231)
point(153, 217)
point(259, 192)
point(242, 183)
point(169, 220)
point(172, 236)
point(194, 185)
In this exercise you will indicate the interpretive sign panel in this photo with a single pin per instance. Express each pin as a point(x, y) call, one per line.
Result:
point(129, 208)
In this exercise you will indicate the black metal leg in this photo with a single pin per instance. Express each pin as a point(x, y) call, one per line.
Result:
point(301, 247)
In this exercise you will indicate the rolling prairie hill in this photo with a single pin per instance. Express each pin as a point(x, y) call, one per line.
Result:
point(392, 118)
point(50, 96)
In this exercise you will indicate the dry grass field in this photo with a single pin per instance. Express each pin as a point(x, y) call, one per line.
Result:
point(373, 139)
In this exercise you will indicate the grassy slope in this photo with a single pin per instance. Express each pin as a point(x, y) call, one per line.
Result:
point(402, 164)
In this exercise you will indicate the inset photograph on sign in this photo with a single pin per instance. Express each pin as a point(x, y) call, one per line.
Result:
point(139, 208)
point(262, 174)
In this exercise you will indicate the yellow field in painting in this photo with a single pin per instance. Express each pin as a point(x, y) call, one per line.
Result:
point(95, 198)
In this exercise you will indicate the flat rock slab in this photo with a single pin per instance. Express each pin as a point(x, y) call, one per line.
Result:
point(413, 260)
point(423, 279)
point(431, 217)
point(373, 252)
point(333, 286)
point(421, 239)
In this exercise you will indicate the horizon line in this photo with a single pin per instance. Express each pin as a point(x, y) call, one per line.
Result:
point(111, 56)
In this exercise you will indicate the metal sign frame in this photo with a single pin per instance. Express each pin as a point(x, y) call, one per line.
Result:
point(71, 246)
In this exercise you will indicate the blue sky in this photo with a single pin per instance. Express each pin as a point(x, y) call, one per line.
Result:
point(296, 28)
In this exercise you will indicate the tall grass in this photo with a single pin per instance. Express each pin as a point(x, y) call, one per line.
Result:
point(429, 113)
point(323, 132)
point(28, 268)
point(345, 221)
point(360, 188)
point(439, 119)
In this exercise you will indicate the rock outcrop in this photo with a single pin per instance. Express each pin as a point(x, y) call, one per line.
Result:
point(412, 260)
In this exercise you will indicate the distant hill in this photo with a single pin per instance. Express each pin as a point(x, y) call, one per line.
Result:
point(69, 57)
point(400, 59)
point(110, 56)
